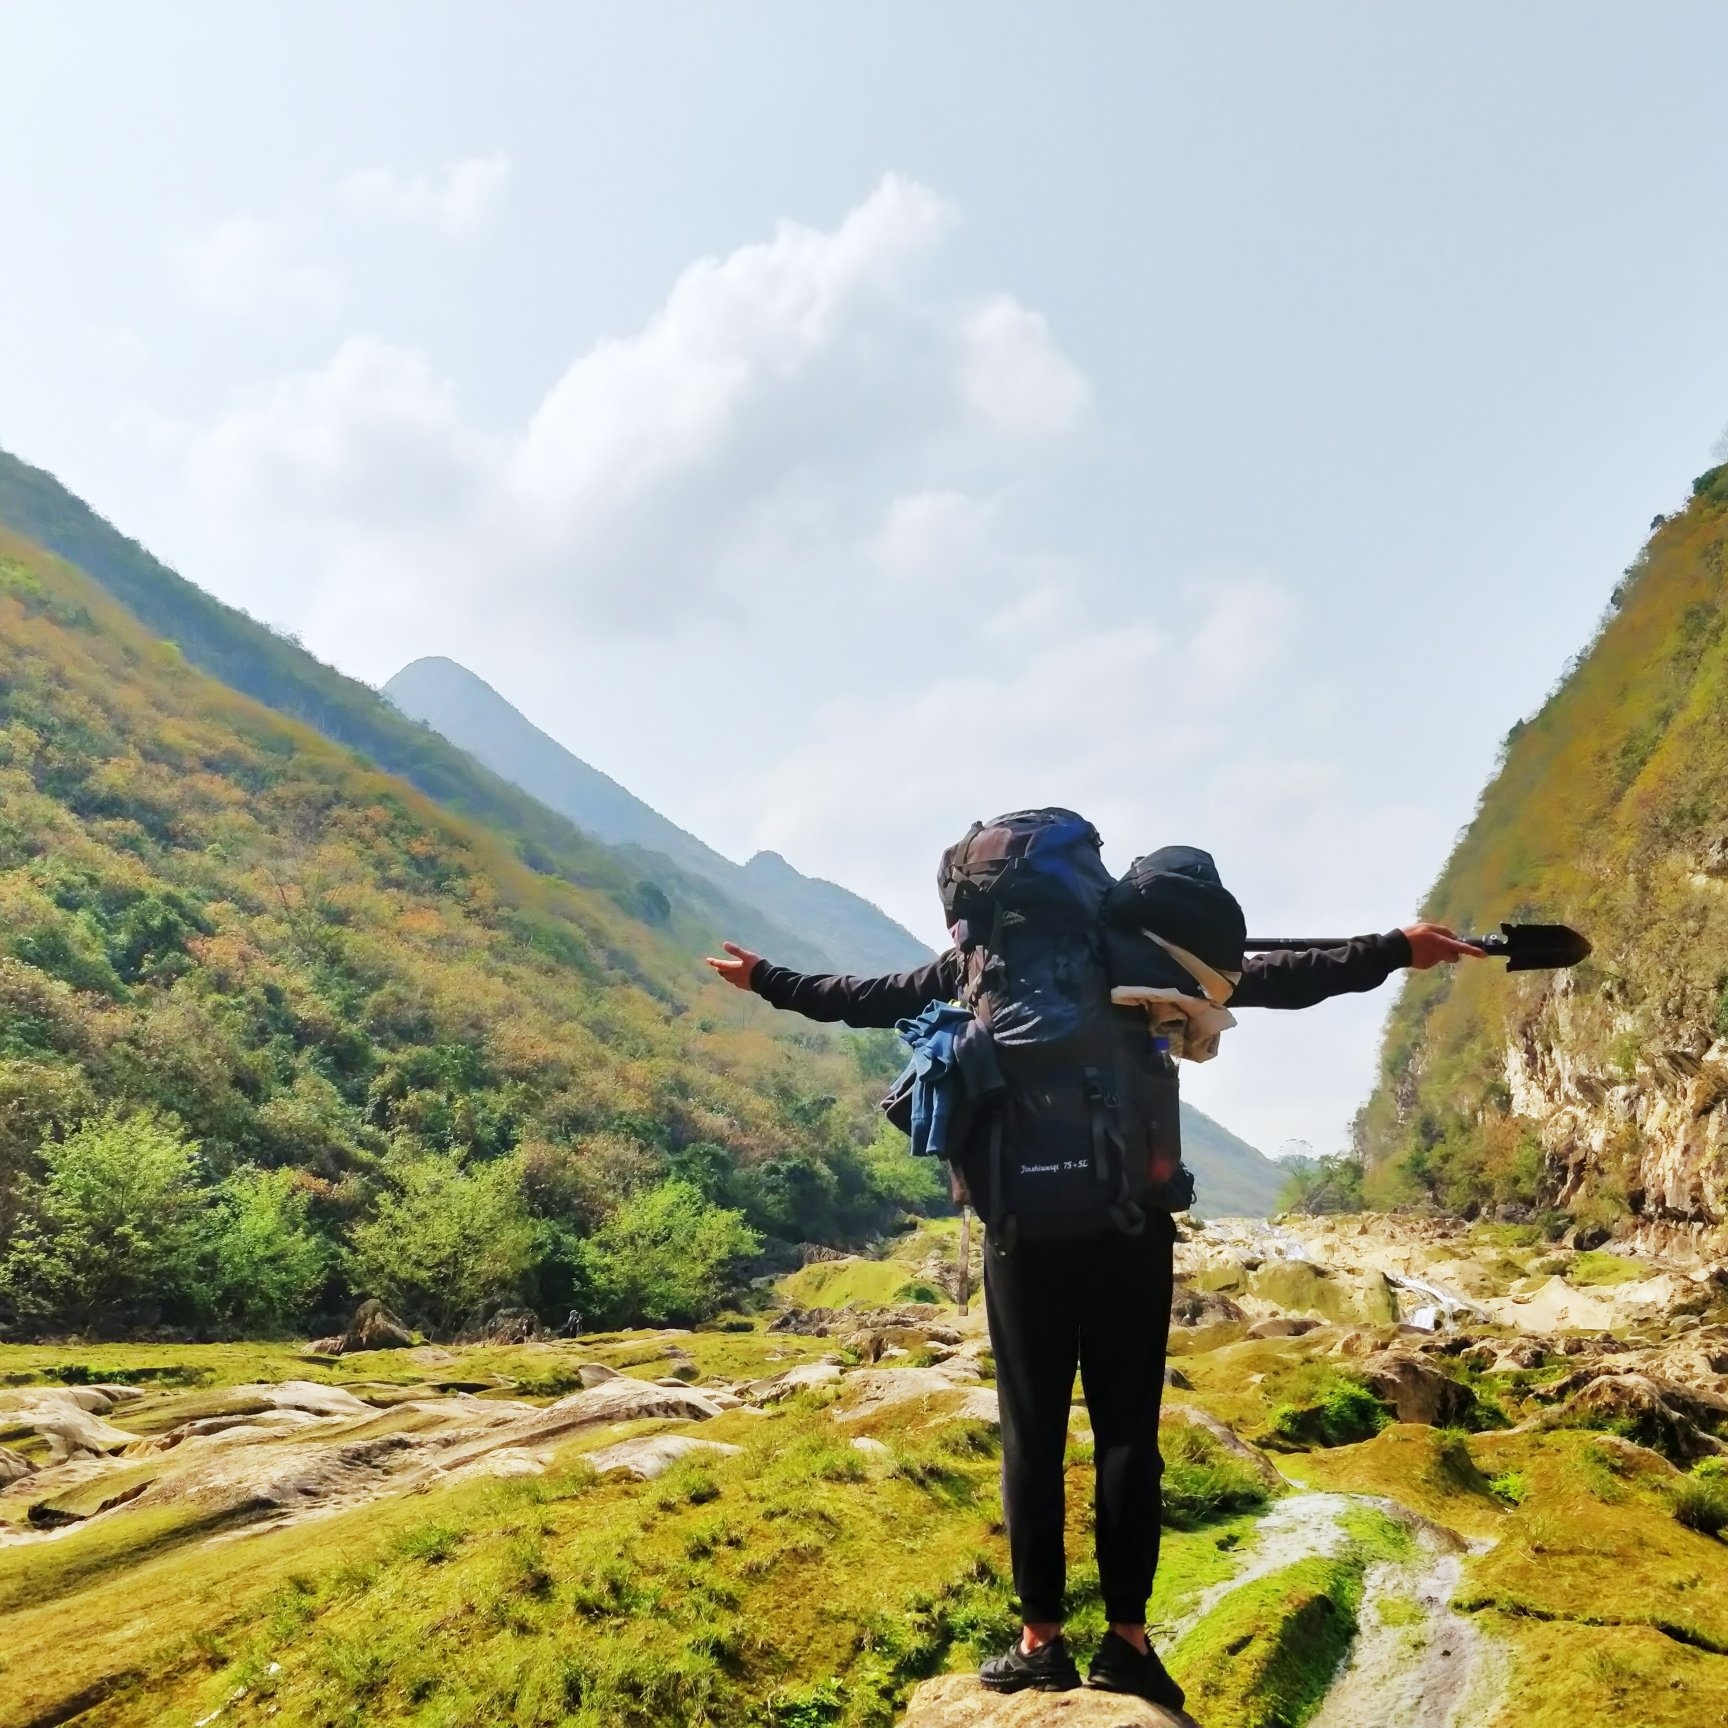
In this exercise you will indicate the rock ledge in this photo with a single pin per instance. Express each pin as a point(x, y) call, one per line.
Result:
point(958, 1701)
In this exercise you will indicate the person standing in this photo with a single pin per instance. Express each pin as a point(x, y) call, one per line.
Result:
point(1097, 1300)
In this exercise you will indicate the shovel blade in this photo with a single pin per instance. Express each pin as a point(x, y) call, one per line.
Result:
point(1539, 947)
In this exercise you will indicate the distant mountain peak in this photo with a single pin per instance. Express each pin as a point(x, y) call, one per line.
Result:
point(847, 930)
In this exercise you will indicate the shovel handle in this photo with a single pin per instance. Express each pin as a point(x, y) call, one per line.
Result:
point(1280, 944)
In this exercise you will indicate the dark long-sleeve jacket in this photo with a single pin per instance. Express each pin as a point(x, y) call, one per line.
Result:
point(1291, 979)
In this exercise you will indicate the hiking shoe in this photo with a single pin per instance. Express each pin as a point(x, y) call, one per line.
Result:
point(1049, 1668)
point(1119, 1667)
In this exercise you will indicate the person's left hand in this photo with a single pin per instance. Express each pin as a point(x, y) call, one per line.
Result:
point(737, 967)
point(1434, 945)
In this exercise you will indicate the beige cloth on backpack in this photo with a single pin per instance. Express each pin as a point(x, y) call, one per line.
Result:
point(1192, 1021)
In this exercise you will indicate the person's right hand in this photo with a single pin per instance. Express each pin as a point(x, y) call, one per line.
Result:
point(1435, 945)
point(736, 970)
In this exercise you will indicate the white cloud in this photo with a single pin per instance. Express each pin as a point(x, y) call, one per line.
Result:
point(373, 439)
point(454, 202)
point(933, 536)
point(254, 266)
point(787, 417)
point(1014, 378)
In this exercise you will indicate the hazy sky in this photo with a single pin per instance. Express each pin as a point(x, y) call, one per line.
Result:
point(840, 423)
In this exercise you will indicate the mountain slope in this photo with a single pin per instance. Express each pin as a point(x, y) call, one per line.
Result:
point(253, 659)
point(1231, 1178)
point(472, 715)
point(356, 1045)
point(1599, 1090)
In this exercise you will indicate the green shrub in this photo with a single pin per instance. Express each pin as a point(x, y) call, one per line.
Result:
point(446, 1241)
point(269, 1263)
point(432, 1543)
point(1202, 1481)
point(1344, 1411)
point(1512, 1486)
point(1701, 1504)
point(114, 1234)
point(667, 1256)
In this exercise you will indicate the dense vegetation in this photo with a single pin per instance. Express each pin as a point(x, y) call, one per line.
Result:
point(1608, 812)
point(276, 1032)
point(275, 670)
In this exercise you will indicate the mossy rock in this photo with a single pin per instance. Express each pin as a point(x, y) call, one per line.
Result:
point(1300, 1287)
point(1595, 1540)
point(1265, 1657)
point(1431, 1472)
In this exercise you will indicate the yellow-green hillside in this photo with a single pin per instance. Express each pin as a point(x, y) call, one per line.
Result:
point(277, 1031)
point(1596, 1090)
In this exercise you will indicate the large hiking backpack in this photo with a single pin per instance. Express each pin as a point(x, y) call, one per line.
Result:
point(1084, 1132)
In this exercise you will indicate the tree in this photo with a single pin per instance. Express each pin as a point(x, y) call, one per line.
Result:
point(665, 1257)
point(111, 1240)
point(446, 1241)
point(269, 1261)
point(1332, 1183)
point(908, 1183)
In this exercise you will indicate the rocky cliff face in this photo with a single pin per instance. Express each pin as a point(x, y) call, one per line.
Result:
point(1599, 1091)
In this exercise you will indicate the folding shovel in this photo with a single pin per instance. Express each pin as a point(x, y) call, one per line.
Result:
point(1524, 947)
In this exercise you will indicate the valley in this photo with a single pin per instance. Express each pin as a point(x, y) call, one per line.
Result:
point(790, 1515)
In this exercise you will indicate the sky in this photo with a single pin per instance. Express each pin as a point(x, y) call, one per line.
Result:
point(839, 424)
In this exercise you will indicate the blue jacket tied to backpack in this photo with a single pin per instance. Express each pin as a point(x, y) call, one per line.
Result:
point(952, 1067)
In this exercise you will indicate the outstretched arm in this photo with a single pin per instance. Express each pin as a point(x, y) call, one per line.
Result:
point(1300, 978)
point(835, 996)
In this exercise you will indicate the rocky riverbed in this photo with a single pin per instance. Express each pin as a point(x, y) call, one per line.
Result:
point(1457, 1477)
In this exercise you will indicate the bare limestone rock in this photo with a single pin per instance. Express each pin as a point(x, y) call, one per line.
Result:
point(1283, 1326)
point(980, 1405)
point(1667, 1418)
point(958, 1701)
point(872, 1389)
point(807, 1322)
point(1191, 1307)
point(593, 1374)
point(240, 1428)
point(64, 1419)
point(651, 1455)
point(292, 1477)
point(506, 1326)
point(1416, 1389)
point(624, 1400)
point(778, 1386)
point(13, 1466)
point(374, 1327)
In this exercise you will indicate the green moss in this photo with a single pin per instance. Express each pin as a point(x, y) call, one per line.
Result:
point(1562, 1674)
point(1400, 1611)
point(1427, 1469)
point(854, 1283)
point(1265, 1657)
point(1595, 1541)
point(1301, 1287)
point(1343, 1410)
point(1597, 1268)
point(1376, 1535)
point(1202, 1481)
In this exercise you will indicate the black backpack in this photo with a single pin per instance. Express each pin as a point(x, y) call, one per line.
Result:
point(1084, 1133)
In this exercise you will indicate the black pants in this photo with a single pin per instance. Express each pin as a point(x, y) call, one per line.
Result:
point(1102, 1303)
